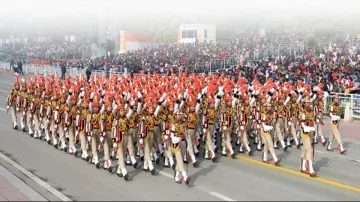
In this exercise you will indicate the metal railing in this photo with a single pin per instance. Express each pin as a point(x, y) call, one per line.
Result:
point(353, 99)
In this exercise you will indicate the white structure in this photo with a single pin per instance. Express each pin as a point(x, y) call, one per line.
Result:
point(202, 32)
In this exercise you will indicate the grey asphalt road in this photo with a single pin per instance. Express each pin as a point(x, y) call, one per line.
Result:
point(244, 178)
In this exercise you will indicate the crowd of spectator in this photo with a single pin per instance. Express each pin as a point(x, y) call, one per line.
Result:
point(337, 65)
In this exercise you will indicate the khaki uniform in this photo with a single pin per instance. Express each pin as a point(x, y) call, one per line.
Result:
point(334, 110)
point(191, 130)
point(95, 134)
point(169, 121)
point(107, 119)
point(82, 115)
point(307, 138)
point(12, 103)
point(209, 124)
point(227, 128)
point(279, 124)
point(318, 108)
point(179, 148)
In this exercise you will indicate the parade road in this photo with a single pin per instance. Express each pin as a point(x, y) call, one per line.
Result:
point(56, 175)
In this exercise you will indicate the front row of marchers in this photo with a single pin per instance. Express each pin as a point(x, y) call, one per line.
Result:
point(160, 118)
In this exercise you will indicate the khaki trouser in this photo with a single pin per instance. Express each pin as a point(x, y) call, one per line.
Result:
point(268, 143)
point(107, 146)
point(28, 120)
point(62, 133)
point(191, 143)
point(209, 137)
point(244, 136)
point(133, 133)
point(148, 142)
point(279, 126)
point(319, 126)
point(294, 126)
point(307, 151)
point(94, 142)
point(13, 114)
point(157, 137)
point(121, 149)
point(71, 130)
point(335, 133)
point(47, 126)
point(52, 128)
point(226, 139)
point(83, 140)
point(179, 156)
point(36, 123)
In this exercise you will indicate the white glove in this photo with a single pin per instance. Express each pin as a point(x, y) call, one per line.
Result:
point(180, 96)
point(101, 139)
point(308, 129)
point(317, 121)
point(221, 88)
point(186, 93)
point(289, 123)
point(175, 140)
point(128, 97)
point(55, 126)
point(199, 96)
point(203, 91)
point(30, 115)
point(132, 103)
point(335, 118)
point(115, 145)
point(141, 141)
point(267, 128)
point(89, 138)
point(258, 126)
point(166, 137)
point(163, 96)
point(221, 92)
point(242, 127)
point(139, 95)
point(23, 113)
point(17, 109)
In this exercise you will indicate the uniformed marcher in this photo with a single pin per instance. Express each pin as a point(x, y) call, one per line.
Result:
point(12, 102)
point(179, 148)
point(334, 109)
point(307, 127)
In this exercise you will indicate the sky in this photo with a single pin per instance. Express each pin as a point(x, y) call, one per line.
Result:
point(66, 13)
point(55, 8)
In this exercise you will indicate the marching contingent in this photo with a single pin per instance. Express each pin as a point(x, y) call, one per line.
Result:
point(165, 119)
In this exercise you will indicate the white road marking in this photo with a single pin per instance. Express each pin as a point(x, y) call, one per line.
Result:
point(220, 196)
point(2, 109)
point(45, 185)
point(6, 83)
point(166, 174)
point(333, 155)
point(351, 140)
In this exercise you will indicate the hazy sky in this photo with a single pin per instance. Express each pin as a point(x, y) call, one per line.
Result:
point(66, 13)
point(55, 8)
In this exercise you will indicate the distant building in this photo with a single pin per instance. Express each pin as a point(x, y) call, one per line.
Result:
point(132, 41)
point(188, 33)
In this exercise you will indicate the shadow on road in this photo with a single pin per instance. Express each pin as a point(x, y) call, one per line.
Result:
point(202, 172)
point(323, 162)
